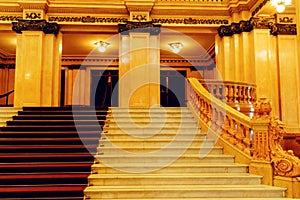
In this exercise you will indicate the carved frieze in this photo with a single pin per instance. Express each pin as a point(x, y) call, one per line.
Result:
point(150, 27)
point(10, 18)
point(262, 22)
point(35, 25)
point(189, 21)
point(87, 19)
point(284, 29)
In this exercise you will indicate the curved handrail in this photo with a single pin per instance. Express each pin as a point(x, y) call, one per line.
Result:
point(257, 139)
point(6, 95)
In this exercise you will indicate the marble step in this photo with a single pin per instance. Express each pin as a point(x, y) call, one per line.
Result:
point(161, 135)
point(173, 168)
point(173, 142)
point(257, 198)
point(160, 158)
point(173, 179)
point(187, 191)
point(151, 130)
point(148, 119)
point(167, 150)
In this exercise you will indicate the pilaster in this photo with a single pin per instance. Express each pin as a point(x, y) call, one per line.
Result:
point(38, 57)
point(288, 63)
point(139, 67)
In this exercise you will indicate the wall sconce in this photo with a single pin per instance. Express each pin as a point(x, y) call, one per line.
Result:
point(175, 46)
point(101, 45)
point(280, 4)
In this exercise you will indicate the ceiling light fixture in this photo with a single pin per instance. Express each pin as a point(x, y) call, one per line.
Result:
point(175, 46)
point(101, 45)
point(280, 4)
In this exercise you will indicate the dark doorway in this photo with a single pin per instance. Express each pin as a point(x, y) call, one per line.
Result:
point(103, 84)
point(62, 87)
point(172, 88)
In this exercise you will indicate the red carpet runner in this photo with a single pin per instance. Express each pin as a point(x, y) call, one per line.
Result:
point(42, 156)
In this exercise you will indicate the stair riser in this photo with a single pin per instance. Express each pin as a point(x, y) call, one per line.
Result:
point(36, 181)
point(45, 150)
point(50, 128)
point(41, 195)
point(170, 170)
point(111, 151)
point(173, 181)
point(58, 117)
point(158, 143)
point(150, 130)
point(45, 169)
point(151, 136)
point(209, 193)
point(116, 119)
point(55, 113)
point(80, 141)
point(49, 135)
point(139, 160)
point(51, 123)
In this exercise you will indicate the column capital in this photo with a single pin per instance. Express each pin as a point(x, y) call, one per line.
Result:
point(144, 27)
point(35, 25)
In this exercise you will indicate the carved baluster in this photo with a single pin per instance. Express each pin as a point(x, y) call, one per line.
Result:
point(232, 132)
point(240, 137)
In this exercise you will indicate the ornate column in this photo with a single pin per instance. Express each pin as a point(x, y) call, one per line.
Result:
point(139, 64)
point(38, 59)
point(286, 36)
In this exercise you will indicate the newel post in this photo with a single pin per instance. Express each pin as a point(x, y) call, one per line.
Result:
point(261, 163)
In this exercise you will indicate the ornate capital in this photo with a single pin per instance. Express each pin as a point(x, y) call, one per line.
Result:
point(284, 29)
point(145, 27)
point(35, 25)
point(225, 31)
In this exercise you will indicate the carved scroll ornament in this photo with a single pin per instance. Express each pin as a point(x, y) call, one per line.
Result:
point(284, 162)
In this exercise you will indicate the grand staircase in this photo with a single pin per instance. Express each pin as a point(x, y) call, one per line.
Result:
point(42, 155)
point(161, 154)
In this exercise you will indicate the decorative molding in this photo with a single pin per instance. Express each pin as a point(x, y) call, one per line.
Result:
point(148, 27)
point(286, 20)
point(259, 7)
point(284, 29)
point(262, 22)
point(189, 21)
point(35, 25)
point(87, 19)
point(246, 26)
point(139, 16)
point(30, 15)
point(10, 18)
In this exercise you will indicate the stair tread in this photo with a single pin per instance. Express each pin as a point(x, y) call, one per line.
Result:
point(41, 188)
point(172, 175)
point(180, 187)
point(43, 175)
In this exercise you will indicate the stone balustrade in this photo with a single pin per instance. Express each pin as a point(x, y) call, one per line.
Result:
point(231, 91)
point(258, 138)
